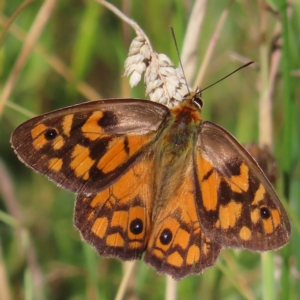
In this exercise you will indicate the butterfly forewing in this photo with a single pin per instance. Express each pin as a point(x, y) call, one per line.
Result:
point(236, 203)
point(86, 147)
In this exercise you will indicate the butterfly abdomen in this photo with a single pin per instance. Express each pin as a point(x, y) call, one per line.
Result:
point(175, 146)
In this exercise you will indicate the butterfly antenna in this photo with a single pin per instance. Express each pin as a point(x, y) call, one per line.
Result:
point(177, 50)
point(243, 66)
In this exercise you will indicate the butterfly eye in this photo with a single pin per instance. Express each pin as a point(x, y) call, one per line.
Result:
point(50, 134)
point(136, 226)
point(166, 236)
point(197, 100)
point(265, 213)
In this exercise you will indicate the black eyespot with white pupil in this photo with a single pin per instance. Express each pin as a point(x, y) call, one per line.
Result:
point(50, 134)
point(136, 226)
point(166, 236)
point(265, 213)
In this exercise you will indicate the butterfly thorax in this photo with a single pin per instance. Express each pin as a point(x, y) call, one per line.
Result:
point(181, 133)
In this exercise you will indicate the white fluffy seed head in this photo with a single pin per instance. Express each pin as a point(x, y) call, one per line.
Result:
point(164, 83)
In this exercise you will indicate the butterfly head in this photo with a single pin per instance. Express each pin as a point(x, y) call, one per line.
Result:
point(189, 110)
point(197, 99)
point(194, 100)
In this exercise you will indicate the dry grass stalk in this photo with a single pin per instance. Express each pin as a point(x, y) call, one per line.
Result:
point(33, 35)
point(128, 272)
point(25, 245)
point(211, 47)
point(189, 55)
point(164, 83)
point(54, 62)
point(6, 26)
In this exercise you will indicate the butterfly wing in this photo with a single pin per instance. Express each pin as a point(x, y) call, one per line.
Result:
point(236, 203)
point(177, 245)
point(117, 220)
point(85, 147)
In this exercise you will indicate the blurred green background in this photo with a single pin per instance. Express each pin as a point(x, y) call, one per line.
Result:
point(79, 56)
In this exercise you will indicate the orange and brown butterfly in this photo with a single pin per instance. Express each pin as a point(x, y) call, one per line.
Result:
point(155, 180)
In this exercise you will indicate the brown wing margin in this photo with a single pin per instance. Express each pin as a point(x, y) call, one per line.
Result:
point(236, 203)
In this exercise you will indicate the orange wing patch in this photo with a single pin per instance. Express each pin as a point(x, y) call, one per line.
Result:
point(91, 128)
point(119, 150)
point(67, 124)
point(210, 183)
point(239, 183)
point(55, 164)
point(229, 214)
point(81, 162)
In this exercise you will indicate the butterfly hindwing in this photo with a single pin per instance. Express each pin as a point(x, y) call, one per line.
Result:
point(177, 245)
point(117, 220)
point(235, 201)
point(85, 147)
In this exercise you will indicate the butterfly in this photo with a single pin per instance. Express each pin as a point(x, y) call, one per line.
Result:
point(155, 181)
